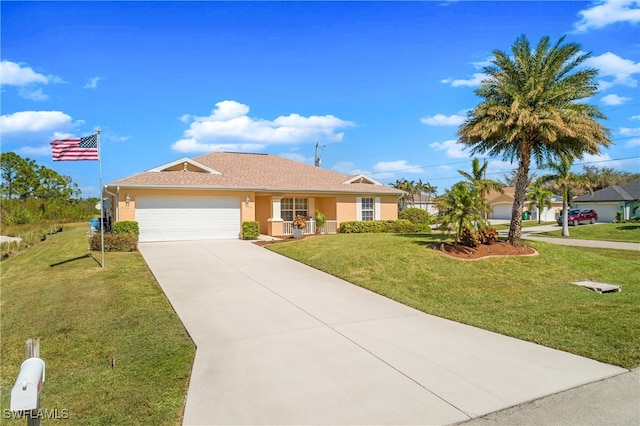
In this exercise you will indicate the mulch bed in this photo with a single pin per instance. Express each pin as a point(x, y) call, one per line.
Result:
point(501, 248)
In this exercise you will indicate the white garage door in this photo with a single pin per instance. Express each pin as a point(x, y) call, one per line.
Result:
point(606, 211)
point(502, 211)
point(180, 219)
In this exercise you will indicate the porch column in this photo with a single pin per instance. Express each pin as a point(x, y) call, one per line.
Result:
point(311, 205)
point(275, 221)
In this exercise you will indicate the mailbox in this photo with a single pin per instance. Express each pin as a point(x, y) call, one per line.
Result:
point(26, 391)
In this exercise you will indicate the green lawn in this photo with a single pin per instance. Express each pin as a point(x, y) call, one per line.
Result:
point(526, 297)
point(624, 232)
point(115, 351)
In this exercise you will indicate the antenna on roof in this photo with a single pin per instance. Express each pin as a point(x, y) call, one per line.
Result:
point(318, 159)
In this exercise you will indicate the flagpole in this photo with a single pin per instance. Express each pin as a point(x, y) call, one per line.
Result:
point(101, 199)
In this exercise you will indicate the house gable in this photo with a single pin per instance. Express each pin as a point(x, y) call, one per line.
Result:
point(186, 165)
point(361, 178)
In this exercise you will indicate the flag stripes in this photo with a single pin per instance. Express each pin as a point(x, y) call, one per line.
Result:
point(77, 149)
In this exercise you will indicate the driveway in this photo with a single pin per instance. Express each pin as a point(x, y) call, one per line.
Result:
point(282, 343)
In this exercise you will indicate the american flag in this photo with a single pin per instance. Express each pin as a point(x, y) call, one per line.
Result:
point(85, 148)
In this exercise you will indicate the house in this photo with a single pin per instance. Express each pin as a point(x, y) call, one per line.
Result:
point(422, 202)
point(607, 202)
point(211, 195)
point(502, 203)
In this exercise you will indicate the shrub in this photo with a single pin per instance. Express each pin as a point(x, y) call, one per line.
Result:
point(250, 230)
point(414, 215)
point(377, 226)
point(126, 227)
point(114, 242)
point(487, 235)
point(469, 238)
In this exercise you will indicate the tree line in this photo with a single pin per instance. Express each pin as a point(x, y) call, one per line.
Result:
point(32, 193)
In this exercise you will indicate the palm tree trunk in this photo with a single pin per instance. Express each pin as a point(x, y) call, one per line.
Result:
point(522, 180)
point(565, 212)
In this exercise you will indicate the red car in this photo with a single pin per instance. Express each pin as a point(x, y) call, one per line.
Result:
point(577, 216)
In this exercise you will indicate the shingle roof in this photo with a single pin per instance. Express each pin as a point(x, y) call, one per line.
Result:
point(253, 172)
point(628, 192)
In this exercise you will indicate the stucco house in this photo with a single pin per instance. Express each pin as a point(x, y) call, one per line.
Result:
point(210, 196)
point(502, 203)
point(608, 201)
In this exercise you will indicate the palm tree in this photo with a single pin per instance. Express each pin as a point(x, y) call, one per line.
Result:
point(463, 209)
point(539, 197)
point(565, 179)
point(478, 180)
point(531, 108)
point(409, 190)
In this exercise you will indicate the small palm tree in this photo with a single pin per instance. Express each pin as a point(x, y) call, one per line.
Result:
point(565, 179)
point(409, 189)
point(478, 180)
point(532, 107)
point(539, 197)
point(463, 209)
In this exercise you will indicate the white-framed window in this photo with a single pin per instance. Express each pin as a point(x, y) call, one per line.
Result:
point(367, 206)
point(291, 207)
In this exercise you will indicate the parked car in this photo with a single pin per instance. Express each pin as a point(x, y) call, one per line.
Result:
point(577, 216)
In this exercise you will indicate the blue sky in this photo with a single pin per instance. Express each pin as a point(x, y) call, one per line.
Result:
point(382, 85)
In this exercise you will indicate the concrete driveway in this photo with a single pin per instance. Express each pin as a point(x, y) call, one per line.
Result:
point(282, 343)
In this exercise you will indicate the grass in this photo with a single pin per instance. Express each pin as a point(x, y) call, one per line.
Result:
point(115, 351)
point(623, 232)
point(530, 298)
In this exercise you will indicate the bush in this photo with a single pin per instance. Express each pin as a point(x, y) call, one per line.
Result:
point(469, 238)
point(114, 242)
point(250, 230)
point(487, 235)
point(126, 227)
point(414, 215)
point(377, 226)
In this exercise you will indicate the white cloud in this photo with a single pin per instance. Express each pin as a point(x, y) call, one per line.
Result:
point(475, 80)
point(632, 143)
point(481, 64)
point(452, 148)
point(230, 128)
point(599, 160)
point(443, 120)
point(34, 121)
point(635, 117)
point(397, 166)
point(626, 131)
point(608, 12)
point(611, 65)
point(13, 74)
point(32, 95)
point(614, 100)
point(349, 168)
point(92, 83)
point(34, 151)
point(297, 157)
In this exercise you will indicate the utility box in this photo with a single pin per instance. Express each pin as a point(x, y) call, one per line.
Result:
point(25, 394)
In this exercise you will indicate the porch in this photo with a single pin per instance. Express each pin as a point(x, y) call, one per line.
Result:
point(330, 227)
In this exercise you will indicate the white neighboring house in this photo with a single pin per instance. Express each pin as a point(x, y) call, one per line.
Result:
point(423, 202)
point(607, 202)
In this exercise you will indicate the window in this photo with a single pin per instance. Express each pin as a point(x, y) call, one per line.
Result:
point(367, 209)
point(291, 207)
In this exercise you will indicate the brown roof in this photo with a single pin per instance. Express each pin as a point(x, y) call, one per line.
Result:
point(250, 171)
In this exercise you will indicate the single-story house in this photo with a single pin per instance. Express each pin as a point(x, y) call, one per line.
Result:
point(422, 202)
point(210, 196)
point(502, 204)
point(607, 202)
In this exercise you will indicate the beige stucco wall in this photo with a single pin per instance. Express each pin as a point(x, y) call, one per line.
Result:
point(336, 207)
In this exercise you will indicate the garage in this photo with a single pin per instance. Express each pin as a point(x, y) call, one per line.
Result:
point(501, 211)
point(181, 219)
point(606, 211)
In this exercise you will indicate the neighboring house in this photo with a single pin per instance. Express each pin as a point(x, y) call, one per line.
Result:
point(211, 195)
point(423, 202)
point(608, 201)
point(502, 204)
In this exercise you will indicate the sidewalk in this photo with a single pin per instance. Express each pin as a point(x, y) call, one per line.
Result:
point(529, 233)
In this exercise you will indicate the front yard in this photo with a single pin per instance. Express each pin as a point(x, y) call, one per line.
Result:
point(525, 297)
point(624, 232)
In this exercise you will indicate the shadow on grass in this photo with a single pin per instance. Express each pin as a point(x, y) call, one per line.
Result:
point(88, 255)
point(628, 227)
point(425, 239)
